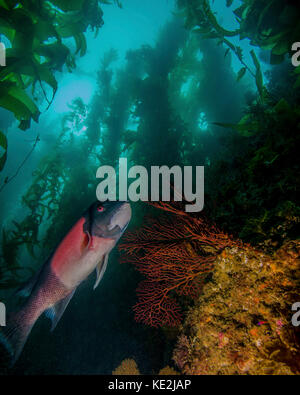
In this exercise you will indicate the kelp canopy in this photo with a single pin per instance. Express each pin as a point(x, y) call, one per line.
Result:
point(37, 33)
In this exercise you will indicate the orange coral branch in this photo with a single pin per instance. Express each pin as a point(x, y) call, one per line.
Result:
point(175, 253)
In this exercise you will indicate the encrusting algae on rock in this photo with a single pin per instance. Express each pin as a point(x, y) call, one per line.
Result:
point(129, 367)
point(241, 324)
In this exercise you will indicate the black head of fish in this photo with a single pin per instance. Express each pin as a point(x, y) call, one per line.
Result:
point(109, 219)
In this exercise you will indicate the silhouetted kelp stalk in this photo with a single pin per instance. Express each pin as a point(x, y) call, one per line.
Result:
point(9, 179)
point(175, 253)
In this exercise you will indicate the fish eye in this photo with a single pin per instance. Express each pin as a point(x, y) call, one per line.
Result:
point(100, 209)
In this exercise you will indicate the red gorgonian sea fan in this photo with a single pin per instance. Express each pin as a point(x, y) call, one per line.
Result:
point(175, 252)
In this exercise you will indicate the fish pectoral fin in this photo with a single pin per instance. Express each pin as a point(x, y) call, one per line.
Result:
point(87, 231)
point(55, 312)
point(86, 242)
point(100, 270)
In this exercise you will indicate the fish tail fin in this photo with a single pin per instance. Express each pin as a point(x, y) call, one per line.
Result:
point(13, 337)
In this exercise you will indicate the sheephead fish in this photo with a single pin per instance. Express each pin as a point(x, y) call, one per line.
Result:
point(84, 249)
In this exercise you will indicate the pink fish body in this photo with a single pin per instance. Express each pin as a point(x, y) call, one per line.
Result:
point(84, 249)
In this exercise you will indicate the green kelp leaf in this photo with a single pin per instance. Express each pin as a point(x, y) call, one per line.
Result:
point(4, 5)
point(23, 98)
point(241, 11)
point(25, 124)
point(258, 75)
point(263, 15)
point(285, 112)
point(44, 74)
point(119, 4)
point(34, 71)
point(116, 2)
point(10, 103)
point(246, 129)
point(80, 44)
point(14, 99)
point(17, 63)
point(3, 141)
point(7, 32)
point(241, 128)
point(213, 20)
point(282, 106)
point(229, 44)
point(239, 53)
point(281, 47)
point(68, 5)
point(259, 83)
point(241, 73)
point(8, 4)
point(22, 22)
point(3, 145)
point(229, 3)
point(67, 30)
point(44, 30)
point(225, 125)
point(35, 31)
point(56, 53)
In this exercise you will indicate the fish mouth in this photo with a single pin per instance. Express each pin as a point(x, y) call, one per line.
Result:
point(120, 218)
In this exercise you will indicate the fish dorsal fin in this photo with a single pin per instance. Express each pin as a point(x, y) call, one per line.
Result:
point(100, 270)
point(55, 312)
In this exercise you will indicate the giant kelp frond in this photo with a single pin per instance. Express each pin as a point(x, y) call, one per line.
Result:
point(36, 34)
point(271, 25)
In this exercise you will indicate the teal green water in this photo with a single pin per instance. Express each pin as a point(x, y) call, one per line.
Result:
point(153, 91)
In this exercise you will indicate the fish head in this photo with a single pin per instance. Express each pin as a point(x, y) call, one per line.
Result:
point(109, 219)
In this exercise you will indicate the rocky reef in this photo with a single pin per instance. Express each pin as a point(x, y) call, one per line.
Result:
point(241, 323)
point(129, 367)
